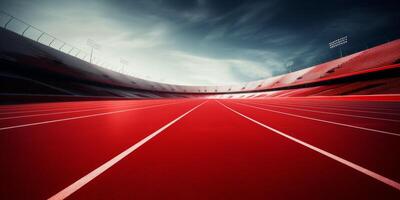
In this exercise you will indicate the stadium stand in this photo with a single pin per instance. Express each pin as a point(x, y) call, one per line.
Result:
point(49, 71)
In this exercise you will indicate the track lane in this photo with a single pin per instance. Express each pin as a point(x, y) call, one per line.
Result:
point(39, 161)
point(323, 111)
point(391, 127)
point(68, 111)
point(350, 164)
point(63, 107)
point(375, 151)
point(48, 105)
point(66, 192)
point(353, 106)
point(215, 154)
point(55, 118)
point(383, 115)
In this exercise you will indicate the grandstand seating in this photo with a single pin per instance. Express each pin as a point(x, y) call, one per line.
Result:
point(52, 72)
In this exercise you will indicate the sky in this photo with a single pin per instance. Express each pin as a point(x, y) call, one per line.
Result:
point(212, 42)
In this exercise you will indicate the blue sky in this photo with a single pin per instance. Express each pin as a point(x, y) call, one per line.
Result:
point(204, 42)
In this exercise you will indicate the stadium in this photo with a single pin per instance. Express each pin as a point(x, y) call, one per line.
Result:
point(74, 126)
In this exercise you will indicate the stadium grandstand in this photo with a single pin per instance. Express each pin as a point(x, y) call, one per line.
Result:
point(50, 72)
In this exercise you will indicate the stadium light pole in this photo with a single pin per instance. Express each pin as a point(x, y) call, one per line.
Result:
point(338, 43)
point(123, 63)
point(93, 45)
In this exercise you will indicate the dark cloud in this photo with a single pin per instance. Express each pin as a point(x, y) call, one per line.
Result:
point(296, 30)
point(275, 33)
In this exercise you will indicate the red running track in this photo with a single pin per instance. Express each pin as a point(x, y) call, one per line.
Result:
point(278, 148)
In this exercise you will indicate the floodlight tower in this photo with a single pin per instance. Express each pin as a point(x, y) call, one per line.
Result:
point(338, 43)
point(93, 45)
point(123, 63)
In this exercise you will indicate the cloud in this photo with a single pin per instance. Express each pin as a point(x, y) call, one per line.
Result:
point(218, 71)
point(212, 42)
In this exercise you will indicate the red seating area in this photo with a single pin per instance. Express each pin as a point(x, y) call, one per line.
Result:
point(381, 55)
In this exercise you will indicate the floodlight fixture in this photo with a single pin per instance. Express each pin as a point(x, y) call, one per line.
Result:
point(93, 45)
point(338, 43)
point(123, 63)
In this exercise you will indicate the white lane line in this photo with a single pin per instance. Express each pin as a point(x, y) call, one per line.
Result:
point(72, 111)
point(81, 117)
point(90, 176)
point(351, 110)
point(61, 108)
point(321, 120)
point(363, 170)
point(45, 109)
point(324, 112)
point(361, 108)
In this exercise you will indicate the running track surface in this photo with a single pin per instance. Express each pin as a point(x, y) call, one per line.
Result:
point(201, 149)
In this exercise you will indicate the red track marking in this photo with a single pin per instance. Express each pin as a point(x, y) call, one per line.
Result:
point(73, 104)
point(329, 113)
point(55, 106)
point(70, 111)
point(63, 107)
point(388, 125)
point(36, 106)
point(89, 177)
point(39, 161)
point(350, 98)
point(375, 151)
point(353, 109)
point(81, 117)
point(362, 107)
point(51, 117)
point(325, 121)
point(13, 113)
point(344, 111)
point(214, 153)
point(383, 106)
point(363, 170)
